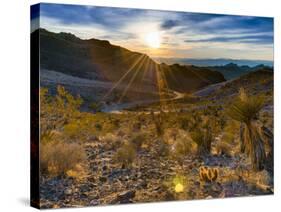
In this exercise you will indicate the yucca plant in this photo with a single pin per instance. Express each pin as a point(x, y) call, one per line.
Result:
point(245, 109)
point(268, 138)
point(242, 140)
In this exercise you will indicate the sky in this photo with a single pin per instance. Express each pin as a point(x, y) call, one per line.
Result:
point(165, 33)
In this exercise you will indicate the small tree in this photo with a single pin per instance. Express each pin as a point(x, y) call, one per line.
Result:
point(245, 109)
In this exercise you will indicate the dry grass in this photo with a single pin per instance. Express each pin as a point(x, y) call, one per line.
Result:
point(126, 155)
point(223, 148)
point(184, 146)
point(57, 158)
point(226, 144)
point(111, 140)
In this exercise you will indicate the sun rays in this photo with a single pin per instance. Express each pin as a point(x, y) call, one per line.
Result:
point(118, 83)
point(141, 66)
point(143, 69)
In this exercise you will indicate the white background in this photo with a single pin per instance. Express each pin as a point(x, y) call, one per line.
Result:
point(14, 101)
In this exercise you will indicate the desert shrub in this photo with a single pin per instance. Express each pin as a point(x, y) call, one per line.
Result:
point(222, 121)
point(184, 146)
point(109, 138)
point(56, 158)
point(116, 123)
point(98, 126)
point(223, 148)
point(160, 147)
point(184, 123)
point(136, 126)
point(126, 155)
point(87, 126)
point(46, 136)
point(138, 140)
point(82, 128)
point(172, 134)
point(111, 141)
point(158, 121)
point(95, 107)
point(226, 142)
point(73, 130)
point(203, 138)
point(245, 109)
point(56, 111)
point(163, 148)
point(137, 123)
point(109, 123)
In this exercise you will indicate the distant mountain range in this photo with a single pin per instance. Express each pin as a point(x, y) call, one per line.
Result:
point(213, 62)
point(232, 70)
point(99, 60)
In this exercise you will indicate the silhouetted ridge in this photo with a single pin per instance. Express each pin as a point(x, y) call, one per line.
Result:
point(100, 60)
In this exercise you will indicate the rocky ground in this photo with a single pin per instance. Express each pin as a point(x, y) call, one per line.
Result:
point(150, 179)
point(154, 177)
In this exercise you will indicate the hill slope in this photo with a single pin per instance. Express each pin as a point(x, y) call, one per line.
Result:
point(99, 60)
point(256, 82)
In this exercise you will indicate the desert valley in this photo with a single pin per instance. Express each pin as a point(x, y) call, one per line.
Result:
point(119, 127)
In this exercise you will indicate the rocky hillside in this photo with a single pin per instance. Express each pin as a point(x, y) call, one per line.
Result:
point(256, 82)
point(189, 77)
point(99, 60)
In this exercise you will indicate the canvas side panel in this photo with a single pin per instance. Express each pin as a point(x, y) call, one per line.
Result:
point(34, 106)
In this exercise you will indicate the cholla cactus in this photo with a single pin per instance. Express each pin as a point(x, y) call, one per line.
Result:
point(207, 174)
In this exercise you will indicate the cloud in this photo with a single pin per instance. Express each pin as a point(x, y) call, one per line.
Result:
point(84, 31)
point(182, 33)
point(255, 39)
point(169, 24)
point(224, 24)
point(76, 14)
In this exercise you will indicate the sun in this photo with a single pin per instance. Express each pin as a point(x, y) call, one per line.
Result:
point(153, 39)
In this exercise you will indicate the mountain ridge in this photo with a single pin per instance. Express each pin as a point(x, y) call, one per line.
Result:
point(232, 70)
point(214, 61)
point(101, 60)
